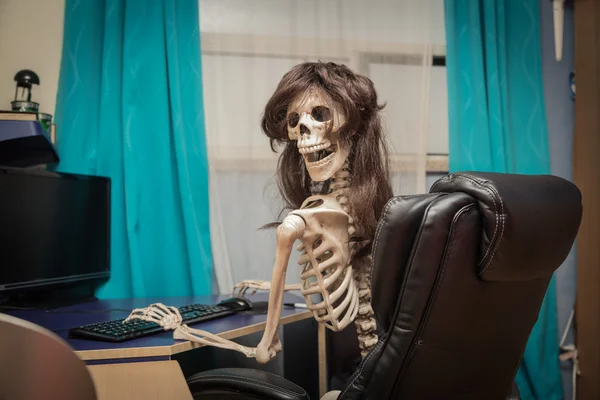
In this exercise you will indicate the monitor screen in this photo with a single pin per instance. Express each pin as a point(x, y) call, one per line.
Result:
point(54, 228)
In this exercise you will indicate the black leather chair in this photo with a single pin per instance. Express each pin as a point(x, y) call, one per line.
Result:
point(458, 280)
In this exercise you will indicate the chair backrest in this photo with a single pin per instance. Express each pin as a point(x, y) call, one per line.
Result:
point(458, 280)
point(37, 364)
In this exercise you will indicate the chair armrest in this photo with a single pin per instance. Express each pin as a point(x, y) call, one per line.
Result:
point(243, 383)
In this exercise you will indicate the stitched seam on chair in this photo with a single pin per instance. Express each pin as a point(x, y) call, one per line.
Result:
point(252, 382)
point(417, 333)
point(386, 209)
point(402, 290)
point(442, 180)
point(375, 243)
point(434, 292)
point(384, 339)
point(382, 222)
point(502, 226)
point(499, 219)
point(359, 371)
point(413, 196)
point(377, 232)
point(486, 188)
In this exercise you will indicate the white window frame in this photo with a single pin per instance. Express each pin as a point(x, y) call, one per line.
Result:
point(354, 53)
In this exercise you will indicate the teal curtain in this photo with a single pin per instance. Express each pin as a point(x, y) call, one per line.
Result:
point(129, 107)
point(497, 123)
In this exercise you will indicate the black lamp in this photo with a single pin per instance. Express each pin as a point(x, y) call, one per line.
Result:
point(25, 80)
point(25, 142)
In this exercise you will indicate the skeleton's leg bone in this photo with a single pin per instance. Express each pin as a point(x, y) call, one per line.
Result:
point(290, 229)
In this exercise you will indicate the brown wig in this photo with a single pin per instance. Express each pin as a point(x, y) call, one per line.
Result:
point(356, 97)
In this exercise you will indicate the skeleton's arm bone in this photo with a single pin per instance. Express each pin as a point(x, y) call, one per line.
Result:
point(169, 318)
point(288, 232)
point(209, 339)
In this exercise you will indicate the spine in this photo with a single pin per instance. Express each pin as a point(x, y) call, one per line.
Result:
point(365, 319)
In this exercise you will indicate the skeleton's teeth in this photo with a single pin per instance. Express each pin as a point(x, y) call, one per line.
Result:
point(312, 149)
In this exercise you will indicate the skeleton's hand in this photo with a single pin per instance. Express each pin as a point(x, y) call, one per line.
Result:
point(166, 316)
point(242, 287)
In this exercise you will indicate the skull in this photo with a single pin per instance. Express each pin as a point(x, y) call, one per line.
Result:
point(315, 126)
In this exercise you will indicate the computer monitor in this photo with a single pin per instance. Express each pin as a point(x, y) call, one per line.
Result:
point(54, 230)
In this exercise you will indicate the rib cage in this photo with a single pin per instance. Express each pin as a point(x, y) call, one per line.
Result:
point(345, 290)
point(325, 255)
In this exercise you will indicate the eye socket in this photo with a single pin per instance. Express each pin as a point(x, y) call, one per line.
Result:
point(321, 114)
point(293, 119)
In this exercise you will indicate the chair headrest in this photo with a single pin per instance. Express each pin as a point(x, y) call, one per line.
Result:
point(529, 221)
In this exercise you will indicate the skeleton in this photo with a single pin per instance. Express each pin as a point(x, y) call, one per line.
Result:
point(336, 291)
point(324, 225)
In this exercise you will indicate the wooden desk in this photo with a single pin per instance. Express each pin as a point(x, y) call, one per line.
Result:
point(162, 346)
point(159, 346)
point(143, 380)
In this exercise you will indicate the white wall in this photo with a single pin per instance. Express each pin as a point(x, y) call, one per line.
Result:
point(249, 44)
point(31, 35)
point(375, 20)
point(247, 47)
point(31, 31)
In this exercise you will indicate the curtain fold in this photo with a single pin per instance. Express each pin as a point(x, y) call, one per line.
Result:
point(129, 107)
point(497, 123)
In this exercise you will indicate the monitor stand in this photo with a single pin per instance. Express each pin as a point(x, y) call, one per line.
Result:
point(49, 299)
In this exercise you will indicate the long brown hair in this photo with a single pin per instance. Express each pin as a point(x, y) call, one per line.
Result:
point(356, 97)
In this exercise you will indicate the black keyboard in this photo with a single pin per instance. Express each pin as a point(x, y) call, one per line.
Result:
point(116, 331)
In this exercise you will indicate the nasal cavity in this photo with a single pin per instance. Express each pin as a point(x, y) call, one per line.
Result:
point(304, 130)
